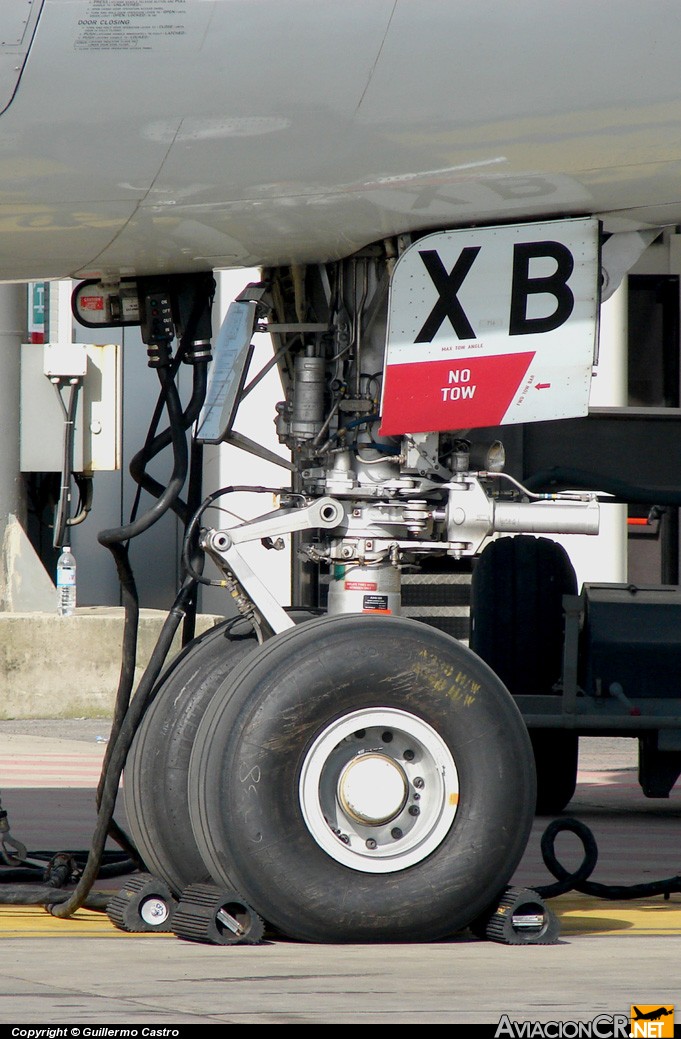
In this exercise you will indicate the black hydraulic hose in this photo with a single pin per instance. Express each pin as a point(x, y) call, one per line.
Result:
point(117, 867)
point(115, 539)
point(578, 881)
point(25, 895)
point(177, 479)
point(153, 427)
point(156, 442)
point(620, 490)
point(119, 752)
point(130, 602)
point(193, 526)
point(162, 440)
point(194, 492)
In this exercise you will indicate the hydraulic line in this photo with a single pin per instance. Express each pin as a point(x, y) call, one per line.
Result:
point(190, 351)
point(130, 603)
point(119, 752)
point(128, 713)
point(619, 490)
point(114, 864)
point(163, 439)
point(170, 494)
point(25, 895)
point(193, 526)
point(194, 490)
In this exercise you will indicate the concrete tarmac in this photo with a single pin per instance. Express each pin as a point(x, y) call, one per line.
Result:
point(84, 972)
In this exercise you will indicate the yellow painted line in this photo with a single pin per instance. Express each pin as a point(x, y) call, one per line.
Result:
point(577, 914)
point(36, 922)
point(581, 914)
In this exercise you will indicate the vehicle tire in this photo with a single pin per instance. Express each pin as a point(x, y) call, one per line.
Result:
point(517, 627)
point(363, 778)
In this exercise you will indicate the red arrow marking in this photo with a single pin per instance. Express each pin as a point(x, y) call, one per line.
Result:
point(543, 386)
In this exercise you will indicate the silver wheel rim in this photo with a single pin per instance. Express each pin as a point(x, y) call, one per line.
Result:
point(379, 790)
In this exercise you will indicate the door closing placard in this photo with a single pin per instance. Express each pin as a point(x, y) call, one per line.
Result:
point(492, 326)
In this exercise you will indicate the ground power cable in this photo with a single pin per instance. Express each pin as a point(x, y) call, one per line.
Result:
point(578, 880)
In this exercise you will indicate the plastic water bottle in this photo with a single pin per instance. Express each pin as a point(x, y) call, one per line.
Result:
point(66, 583)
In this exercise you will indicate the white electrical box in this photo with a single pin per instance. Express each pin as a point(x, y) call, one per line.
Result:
point(97, 435)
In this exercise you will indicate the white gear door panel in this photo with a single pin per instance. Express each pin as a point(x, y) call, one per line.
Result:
point(492, 326)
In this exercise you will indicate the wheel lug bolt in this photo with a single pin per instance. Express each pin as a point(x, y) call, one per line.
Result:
point(371, 844)
point(344, 838)
point(408, 755)
point(414, 810)
point(396, 833)
point(419, 783)
point(387, 737)
point(417, 797)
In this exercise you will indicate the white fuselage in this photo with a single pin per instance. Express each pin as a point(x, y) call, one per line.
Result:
point(142, 136)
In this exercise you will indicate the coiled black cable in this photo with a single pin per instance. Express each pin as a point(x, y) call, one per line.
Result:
point(578, 880)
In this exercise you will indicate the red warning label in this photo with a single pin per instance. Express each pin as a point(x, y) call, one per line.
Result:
point(445, 394)
point(91, 302)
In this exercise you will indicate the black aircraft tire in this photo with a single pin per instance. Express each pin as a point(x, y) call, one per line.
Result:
point(358, 729)
point(517, 628)
point(155, 777)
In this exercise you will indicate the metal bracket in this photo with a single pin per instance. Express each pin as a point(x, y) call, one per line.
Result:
point(222, 547)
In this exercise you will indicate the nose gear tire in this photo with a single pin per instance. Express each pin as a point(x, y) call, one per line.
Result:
point(159, 757)
point(292, 729)
point(155, 777)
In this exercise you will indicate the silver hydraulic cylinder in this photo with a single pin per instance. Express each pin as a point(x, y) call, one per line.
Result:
point(550, 517)
point(472, 516)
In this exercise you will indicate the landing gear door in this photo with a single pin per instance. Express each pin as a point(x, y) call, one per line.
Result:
point(492, 326)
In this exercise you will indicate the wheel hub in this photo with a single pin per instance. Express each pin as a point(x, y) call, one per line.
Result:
point(379, 790)
point(372, 789)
